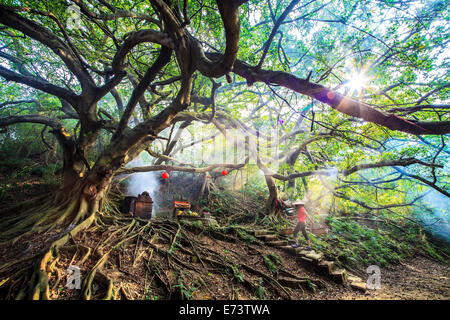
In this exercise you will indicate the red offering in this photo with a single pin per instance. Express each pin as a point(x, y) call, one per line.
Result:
point(224, 172)
point(165, 175)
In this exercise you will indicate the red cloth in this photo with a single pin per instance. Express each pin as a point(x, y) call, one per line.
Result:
point(301, 215)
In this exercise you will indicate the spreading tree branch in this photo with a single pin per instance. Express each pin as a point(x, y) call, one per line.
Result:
point(182, 169)
point(337, 101)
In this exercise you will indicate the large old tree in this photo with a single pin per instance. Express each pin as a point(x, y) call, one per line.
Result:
point(128, 70)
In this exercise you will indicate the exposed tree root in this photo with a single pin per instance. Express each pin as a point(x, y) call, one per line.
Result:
point(173, 257)
point(35, 224)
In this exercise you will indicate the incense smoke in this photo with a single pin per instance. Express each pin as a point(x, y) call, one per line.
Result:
point(142, 181)
point(436, 218)
point(319, 197)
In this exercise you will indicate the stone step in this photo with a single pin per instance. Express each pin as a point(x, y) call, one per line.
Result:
point(353, 278)
point(327, 266)
point(316, 257)
point(290, 282)
point(361, 286)
point(303, 252)
point(306, 260)
point(313, 256)
point(260, 233)
point(270, 237)
point(289, 249)
point(339, 275)
point(277, 243)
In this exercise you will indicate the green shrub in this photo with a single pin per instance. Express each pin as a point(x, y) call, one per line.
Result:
point(358, 246)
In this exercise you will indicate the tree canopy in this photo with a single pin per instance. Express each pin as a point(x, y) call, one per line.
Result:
point(340, 81)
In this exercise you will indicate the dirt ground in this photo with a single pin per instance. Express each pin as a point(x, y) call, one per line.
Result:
point(417, 279)
point(140, 272)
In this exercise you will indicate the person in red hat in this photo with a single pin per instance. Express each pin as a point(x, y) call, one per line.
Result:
point(301, 223)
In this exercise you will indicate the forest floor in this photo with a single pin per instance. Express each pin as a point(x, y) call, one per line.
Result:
point(132, 270)
point(209, 265)
point(418, 278)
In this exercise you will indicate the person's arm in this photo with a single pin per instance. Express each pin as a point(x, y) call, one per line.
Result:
point(291, 217)
point(307, 215)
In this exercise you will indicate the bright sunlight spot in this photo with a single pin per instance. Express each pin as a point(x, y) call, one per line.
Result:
point(357, 81)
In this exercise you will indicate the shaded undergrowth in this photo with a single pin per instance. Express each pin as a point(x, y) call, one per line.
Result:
point(184, 260)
